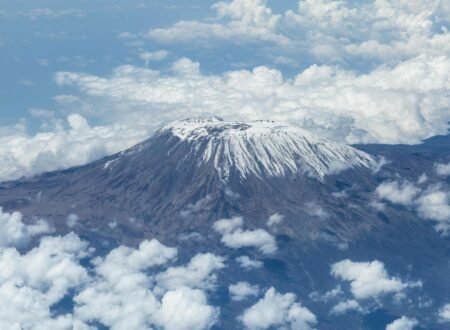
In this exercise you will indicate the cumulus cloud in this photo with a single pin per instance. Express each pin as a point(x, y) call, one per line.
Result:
point(402, 323)
point(444, 313)
point(126, 289)
point(280, 311)
point(383, 31)
point(345, 306)
point(60, 148)
point(397, 193)
point(124, 259)
point(434, 204)
point(32, 283)
point(235, 237)
point(392, 104)
point(275, 219)
point(344, 32)
point(199, 273)
point(443, 169)
point(186, 309)
point(14, 233)
point(369, 279)
point(242, 290)
point(122, 295)
point(247, 263)
point(245, 20)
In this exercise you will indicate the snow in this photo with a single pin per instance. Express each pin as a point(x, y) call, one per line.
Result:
point(264, 148)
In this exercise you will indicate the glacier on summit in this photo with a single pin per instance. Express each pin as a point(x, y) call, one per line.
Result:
point(264, 148)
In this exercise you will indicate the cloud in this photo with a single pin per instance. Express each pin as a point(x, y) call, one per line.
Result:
point(345, 306)
point(124, 259)
point(245, 20)
point(248, 264)
point(444, 313)
point(368, 279)
point(434, 204)
point(235, 237)
point(391, 104)
point(242, 290)
point(384, 31)
point(127, 288)
point(278, 310)
point(316, 210)
point(345, 32)
point(32, 283)
point(14, 233)
point(60, 148)
point(202, 205)
point(275, 219)
point(376, 72)
point(402, 323)
point(329, 295)
point(397, 193)
point(72, 220)
point(122, 294)
point(153, 56)
point(186, 309)
point(443, 169)
point(199, 273)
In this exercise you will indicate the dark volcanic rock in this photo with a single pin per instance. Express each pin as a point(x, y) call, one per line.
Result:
point(175, 185)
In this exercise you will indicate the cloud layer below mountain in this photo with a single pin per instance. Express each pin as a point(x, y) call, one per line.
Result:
point(359, 72)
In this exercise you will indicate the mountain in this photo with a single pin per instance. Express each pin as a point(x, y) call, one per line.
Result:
point(261, 148)
point(190, 174)
point(319, 194)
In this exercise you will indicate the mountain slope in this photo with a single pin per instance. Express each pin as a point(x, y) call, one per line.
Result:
point(177, 184)
point(263, 148)
point(271, 167)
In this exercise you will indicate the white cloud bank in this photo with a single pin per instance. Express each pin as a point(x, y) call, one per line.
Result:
point(341, 32)
point(60, 147)
point(235, 237)
point(30, 284)
point(126, 289)
point(399, 96)
point(391, 104)
point(276, 310)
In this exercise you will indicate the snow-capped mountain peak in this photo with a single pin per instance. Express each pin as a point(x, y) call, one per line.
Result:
point(263, 148)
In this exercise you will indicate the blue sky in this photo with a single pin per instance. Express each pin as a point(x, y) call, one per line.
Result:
point(84, 79)
point(40, 38)
point(34, 48)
